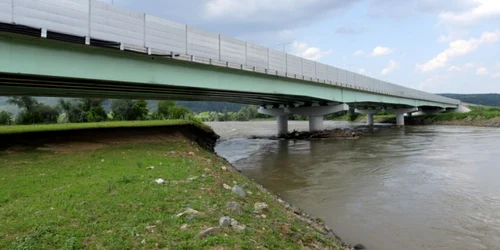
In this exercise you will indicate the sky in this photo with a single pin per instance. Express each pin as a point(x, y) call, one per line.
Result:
point(438, 46)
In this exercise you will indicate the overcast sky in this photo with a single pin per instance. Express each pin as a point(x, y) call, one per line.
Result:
point(440, 46)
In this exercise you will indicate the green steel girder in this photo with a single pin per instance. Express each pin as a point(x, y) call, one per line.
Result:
point(36, 66)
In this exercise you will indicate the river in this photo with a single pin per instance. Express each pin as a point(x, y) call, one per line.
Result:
point(423, 187)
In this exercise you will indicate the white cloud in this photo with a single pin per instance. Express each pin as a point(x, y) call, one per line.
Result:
point(481, 71)
point(391, 66)
point(382, 51)
point(483, 10)
point(469, 65)
point(452, 36)
point(362, 70)
point(359, 53)
point(496, 75)
point(458, 48)
point(453, 68)
point(308, 52)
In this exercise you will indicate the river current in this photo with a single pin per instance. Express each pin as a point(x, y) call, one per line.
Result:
point(423, 187)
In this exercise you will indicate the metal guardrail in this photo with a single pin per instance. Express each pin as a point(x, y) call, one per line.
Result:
point(148, 34)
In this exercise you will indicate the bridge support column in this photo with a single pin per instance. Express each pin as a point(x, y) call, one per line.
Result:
point(282, 124)
point(369, 119)
point(316, 123)
point(281, 118)
point(369, 115)
point(400, 114)
point(400, 119)
point(316, 114)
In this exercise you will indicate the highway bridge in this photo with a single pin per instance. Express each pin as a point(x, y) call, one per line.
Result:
point(89, 48)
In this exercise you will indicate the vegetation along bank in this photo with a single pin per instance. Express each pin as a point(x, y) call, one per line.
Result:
point(478, 116)
point(140, 185)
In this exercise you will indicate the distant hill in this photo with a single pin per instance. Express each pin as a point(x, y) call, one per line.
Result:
point(480, 99)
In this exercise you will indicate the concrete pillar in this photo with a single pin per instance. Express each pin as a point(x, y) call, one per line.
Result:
point(400, 114)
point(281, 118)
point(316, 114)
point(369, 114)
point(369, 119)
point(315, 123)
point(282, 124)
point(400, 119)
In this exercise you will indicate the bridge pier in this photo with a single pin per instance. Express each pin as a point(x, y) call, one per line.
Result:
point(369, 115)
point(282, 124)
point(400, 119)
point(281, 118)
point(316, 123)
point(429, 112)
point(316, 114)
point(400, 114)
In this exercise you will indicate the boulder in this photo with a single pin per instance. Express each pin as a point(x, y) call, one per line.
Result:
point(239, 191)
point(225, 221)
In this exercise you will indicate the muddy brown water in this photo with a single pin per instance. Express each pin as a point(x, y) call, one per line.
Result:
point(423, 187)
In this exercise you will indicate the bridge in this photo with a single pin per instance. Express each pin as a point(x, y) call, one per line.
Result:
point(88, 48)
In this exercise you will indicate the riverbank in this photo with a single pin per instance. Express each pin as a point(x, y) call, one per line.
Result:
point(478, 116)
point(152, 187)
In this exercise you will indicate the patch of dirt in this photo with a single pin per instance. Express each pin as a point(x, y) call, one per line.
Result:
point(68, 141)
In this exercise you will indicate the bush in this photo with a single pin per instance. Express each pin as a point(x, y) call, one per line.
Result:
point(96, 114)
point(5, 118)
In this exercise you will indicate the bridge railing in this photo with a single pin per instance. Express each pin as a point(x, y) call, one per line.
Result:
point(148, 34)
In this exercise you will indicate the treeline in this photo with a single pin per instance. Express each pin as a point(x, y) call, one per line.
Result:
point(251, 112)
point(245, 113)
point(479, 99)
point(88, 110)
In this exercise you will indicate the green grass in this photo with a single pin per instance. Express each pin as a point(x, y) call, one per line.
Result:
point(106, 198)
point(481, 112)
point(112, 124)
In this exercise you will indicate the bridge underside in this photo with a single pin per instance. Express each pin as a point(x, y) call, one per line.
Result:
point(43, 67)
point(35, 85)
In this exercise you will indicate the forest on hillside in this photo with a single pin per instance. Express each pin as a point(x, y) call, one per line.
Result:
point(479, 99)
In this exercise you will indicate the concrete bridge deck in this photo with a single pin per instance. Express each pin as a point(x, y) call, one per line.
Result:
point(73, 48)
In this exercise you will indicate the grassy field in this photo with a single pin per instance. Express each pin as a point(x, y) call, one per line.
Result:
point(96, 125)
point(479, 111)
point(106, 197)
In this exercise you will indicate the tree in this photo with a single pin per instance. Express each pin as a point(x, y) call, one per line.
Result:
point(72, 110)
point(5, 118)
point(178, 112)
point(122, 109)
point(23, 102)
point(96, 114)
point(164, 108)
point(129, 110)
point(32, 111)
point(84, 110)
point(140, 110)
point(352, 114)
